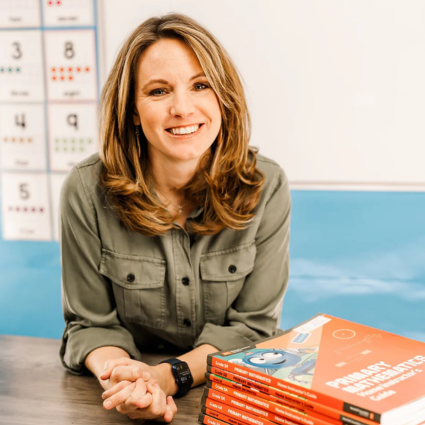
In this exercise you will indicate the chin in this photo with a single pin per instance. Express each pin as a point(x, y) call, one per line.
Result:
point(188, 155)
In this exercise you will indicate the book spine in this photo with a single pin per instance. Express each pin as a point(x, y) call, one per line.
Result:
point(263, 409)
point(241, 415)
point(208, 420)
point(281, 397)
point(220, 416)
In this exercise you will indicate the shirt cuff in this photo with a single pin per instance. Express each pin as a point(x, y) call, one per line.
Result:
point(226, 337)
point(78, 343)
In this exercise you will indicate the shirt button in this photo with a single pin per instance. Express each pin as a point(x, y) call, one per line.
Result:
point(232, 268)
point(185, 281)
point(187, 322)
point(130, 277)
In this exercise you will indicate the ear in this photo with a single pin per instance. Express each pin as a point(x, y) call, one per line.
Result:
point(136, 118)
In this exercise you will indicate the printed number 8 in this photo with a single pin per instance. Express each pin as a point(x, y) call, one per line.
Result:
point(69, 50)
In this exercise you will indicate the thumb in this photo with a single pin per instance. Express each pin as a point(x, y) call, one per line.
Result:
point(168, 415)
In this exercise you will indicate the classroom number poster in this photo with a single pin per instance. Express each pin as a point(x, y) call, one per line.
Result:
point(49, 92)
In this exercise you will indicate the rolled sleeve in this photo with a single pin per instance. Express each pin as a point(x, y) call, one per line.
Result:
point(88, 302)
point(255, 314)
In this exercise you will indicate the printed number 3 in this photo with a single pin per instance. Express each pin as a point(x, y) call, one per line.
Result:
point(17, 54)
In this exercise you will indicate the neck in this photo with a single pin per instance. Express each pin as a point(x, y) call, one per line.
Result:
point(170, 176)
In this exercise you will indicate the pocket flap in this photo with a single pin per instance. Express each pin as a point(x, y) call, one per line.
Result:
point(229, 264)
point(133, 271)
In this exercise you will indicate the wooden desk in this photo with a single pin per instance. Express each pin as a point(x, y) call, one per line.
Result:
point(35, 389)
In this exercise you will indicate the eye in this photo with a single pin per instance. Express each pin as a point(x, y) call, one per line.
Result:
point(257, 360)
point(154, 92)
point(201, 84)
point(272, 355)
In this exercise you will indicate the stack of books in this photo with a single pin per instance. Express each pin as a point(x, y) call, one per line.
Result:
point(325, 371)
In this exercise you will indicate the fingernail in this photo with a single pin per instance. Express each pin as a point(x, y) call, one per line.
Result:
point(146, 376)
point(107, 404)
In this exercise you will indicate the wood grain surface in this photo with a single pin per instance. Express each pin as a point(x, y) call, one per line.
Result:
point(35, 389)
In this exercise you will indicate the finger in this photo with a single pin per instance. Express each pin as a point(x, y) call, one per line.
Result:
point(170, 410)
point(111, 391)
point(119, 397)
point(129, 373)
point(158, 404)
point(144, 401)
point(139, 398)
point(172, 404)
point(130, 407)
point(168, 415)
point(111, 364)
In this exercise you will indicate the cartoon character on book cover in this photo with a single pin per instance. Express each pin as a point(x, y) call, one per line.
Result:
point(293, 364)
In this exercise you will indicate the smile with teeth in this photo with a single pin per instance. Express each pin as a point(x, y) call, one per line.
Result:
point(184, 130)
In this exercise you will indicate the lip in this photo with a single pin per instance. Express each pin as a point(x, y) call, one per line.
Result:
point(186, 125)
point(186, 136)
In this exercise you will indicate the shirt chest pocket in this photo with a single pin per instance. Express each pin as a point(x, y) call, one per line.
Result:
point(223, 275)
point(138, 285)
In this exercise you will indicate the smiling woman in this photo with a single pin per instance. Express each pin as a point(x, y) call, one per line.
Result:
point(171, 75)
point(177, 234)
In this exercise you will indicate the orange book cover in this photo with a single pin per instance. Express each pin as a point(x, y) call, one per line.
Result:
point(350, 367)
point(264, 409)
point(283, 398)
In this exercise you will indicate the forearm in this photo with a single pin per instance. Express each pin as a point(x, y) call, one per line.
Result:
point(196, 359)
point(95, 361)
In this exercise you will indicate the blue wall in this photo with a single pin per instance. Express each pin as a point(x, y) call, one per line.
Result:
point(356, 255)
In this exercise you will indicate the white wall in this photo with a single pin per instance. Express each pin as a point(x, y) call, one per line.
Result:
point(336, 88)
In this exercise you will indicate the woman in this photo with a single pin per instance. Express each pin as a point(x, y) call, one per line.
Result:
point(177, 234)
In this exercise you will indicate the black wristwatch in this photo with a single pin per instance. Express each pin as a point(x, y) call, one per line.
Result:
point(182, 376)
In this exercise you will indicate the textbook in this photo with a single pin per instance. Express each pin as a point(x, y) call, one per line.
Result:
point(352, 368)
point(212, 420)
point(223, 411)
point(304, 416)
point(265, 410)
point(283, 398)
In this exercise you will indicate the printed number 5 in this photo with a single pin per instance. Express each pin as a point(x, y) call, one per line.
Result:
point(23, 191)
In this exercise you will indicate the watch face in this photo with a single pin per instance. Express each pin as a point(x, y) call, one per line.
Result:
point(183, 372)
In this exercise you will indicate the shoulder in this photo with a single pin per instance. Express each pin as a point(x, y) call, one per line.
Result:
point(275, 177)
point(82, 179)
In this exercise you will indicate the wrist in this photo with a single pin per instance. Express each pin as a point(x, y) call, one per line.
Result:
point(166, 379)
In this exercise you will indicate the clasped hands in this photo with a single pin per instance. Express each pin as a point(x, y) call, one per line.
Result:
point(137, 390)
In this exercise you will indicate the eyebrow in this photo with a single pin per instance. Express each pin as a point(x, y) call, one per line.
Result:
point(161, 81)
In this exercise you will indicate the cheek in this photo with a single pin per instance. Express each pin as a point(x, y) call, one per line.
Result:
point(212, 109)
point(150, 119)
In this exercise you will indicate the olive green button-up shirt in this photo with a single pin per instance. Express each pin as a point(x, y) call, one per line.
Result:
point(121, 288)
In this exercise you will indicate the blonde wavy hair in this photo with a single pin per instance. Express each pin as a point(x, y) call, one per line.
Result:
point(226, 184)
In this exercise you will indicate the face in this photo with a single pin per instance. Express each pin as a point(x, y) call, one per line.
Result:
point(173, 97)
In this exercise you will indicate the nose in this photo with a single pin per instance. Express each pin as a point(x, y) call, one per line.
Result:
point(182, 105)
